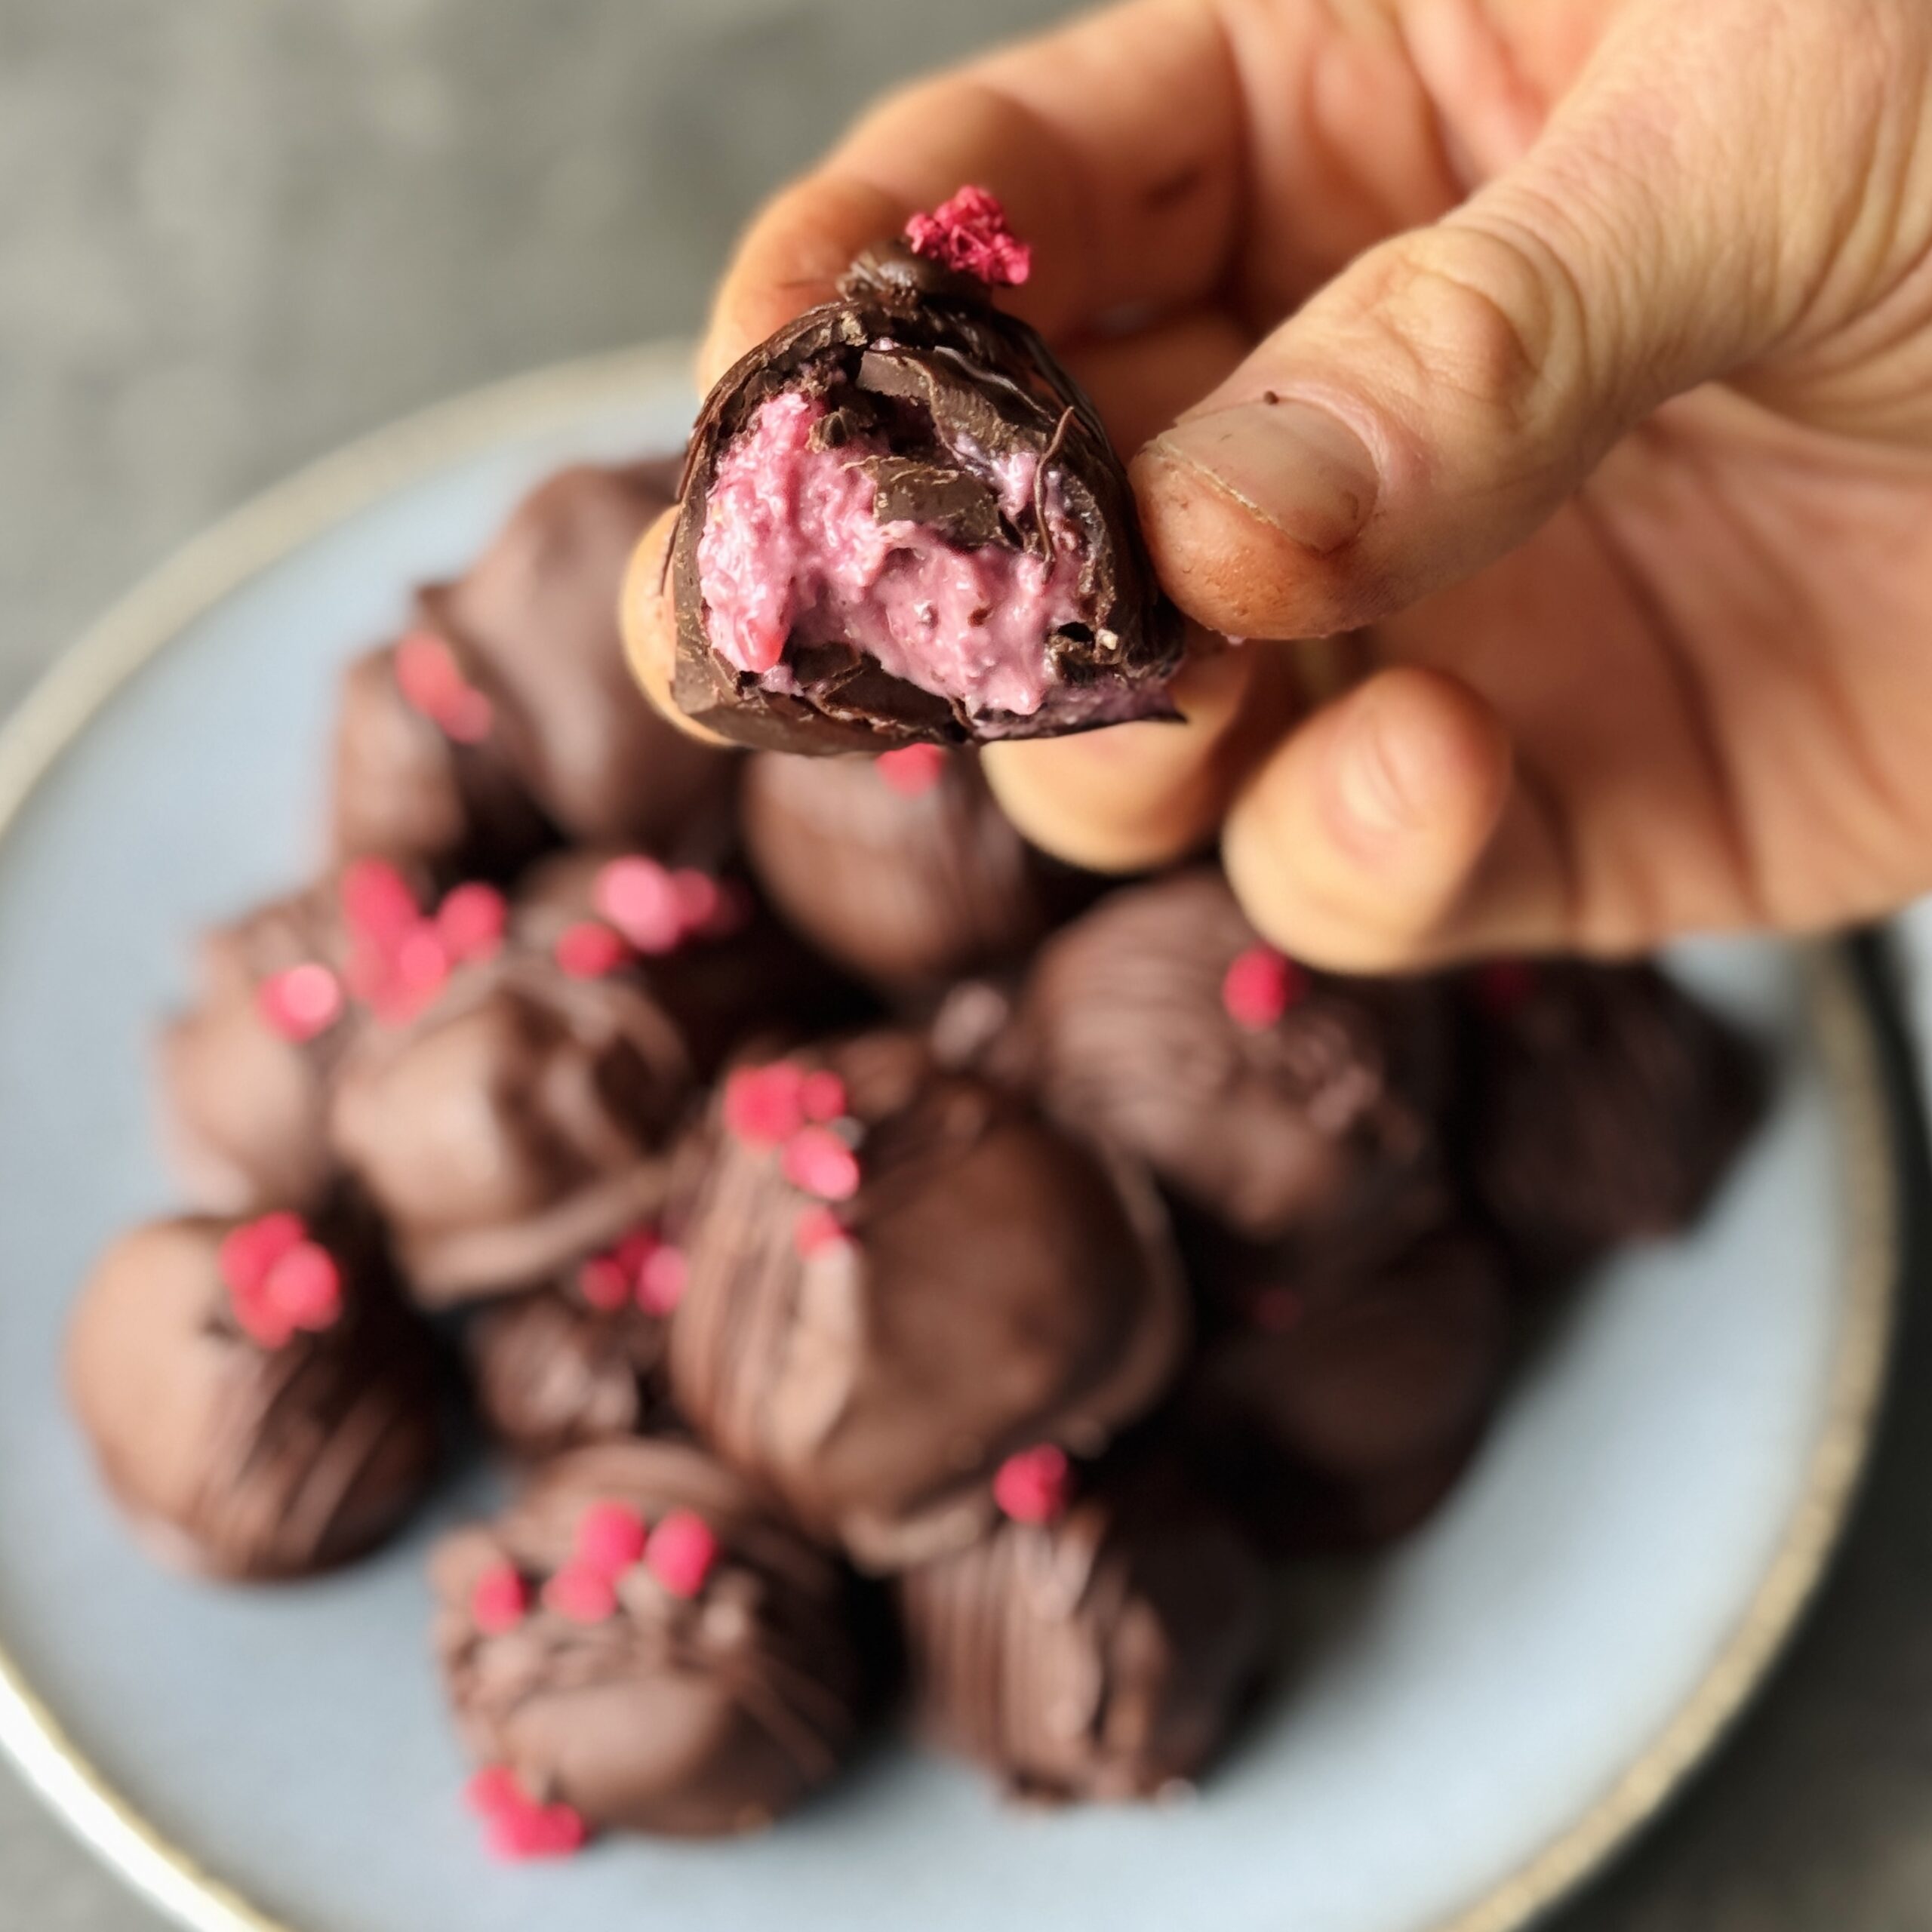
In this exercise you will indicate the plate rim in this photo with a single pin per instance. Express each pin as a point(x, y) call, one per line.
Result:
point(144, 622)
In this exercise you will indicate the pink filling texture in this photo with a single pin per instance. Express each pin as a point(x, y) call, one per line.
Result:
point(790, 550)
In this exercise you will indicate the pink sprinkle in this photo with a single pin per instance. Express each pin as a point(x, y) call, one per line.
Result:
point(299, 1005)
point(499, 1599)
point(432, 682)
point(700, 899)
point(683, 1550)
point(969, 233)
point(633, 1251)
point(469, 719)
point(610, 1539)
point(304, 1288)
point(1034, 1486)
point(660, 1281)
point(590, 950)
point(604, 1282)
point(471, 922)
point(639, 898)
point(535, 1830)
point(822, 1096)
point(817, 1230)
point(1260, 985)
point(1505, 985)
point(913, 769)
point(582, 1594)
point(376, 902)
point(765, 1105)
point(817, 1160)
point(248, 1253)
point(422, 963)
point(494, 1789)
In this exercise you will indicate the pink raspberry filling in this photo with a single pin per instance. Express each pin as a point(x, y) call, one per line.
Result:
point(791, 552)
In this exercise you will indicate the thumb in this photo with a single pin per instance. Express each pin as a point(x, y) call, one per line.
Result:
point(1427, 410)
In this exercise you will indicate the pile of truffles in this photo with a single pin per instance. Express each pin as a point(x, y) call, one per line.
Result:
point(906, 1272)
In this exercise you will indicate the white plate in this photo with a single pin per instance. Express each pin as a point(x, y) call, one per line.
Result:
point(1474, 1722)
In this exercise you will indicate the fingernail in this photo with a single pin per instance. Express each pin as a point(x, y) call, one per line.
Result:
point(1300, 467)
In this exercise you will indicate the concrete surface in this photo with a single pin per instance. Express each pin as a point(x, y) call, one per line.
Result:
point(234, 232)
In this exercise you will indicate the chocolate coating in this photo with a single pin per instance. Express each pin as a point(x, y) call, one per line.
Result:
point(551, 1373)
point(1340, 1412)
point(921, 351)
point(1606, 1105)
point(906, 887)
point(752, 978)
point(573, 750)
point(1105, 1655)
point(999, 1286)
point(692, 1718)
point(523, 1120)
point(1322, 1125)
point(245, 1110)
point(236, 1461)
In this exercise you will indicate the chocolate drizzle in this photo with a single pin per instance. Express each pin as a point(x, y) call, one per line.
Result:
point(998, 1285)
point(1321, 1124)
point(693, 1717)
point(237, 1460)
point(919, 350)
point(246, 1108)
point(1105, 1655)
point(526, 1119)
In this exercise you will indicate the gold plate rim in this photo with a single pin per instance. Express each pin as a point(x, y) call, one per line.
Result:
point(155, 612)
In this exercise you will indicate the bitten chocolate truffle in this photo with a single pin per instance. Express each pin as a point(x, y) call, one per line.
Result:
point(903, 867)
point(901, 521)
point(258, 1402)
point(637, 1643)
point(504, 718)
point(581, 1359)
point(1280, 1101)
point(898, 1279)
point(1606, 1105)
point(1103, 1653)
point(1338, 1409)
point(245, 1073)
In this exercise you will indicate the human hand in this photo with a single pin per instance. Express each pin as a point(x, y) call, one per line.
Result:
point(1601, 420)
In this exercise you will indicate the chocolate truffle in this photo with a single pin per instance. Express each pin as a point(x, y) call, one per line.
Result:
point(638, 1643)
point(902, 867)
point(506, 718)
point(1280, 1101)
point(1103, 1653)
point(901, 521)
point(244, 1072)
point(1606, 1105)
point(898, 1279)
point(525, 1118)
point(703, 945)
point(581, 1359)
point(1340, 1410)
point(258, 1402)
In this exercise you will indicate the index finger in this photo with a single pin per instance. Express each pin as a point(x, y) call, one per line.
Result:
point(1115, 144)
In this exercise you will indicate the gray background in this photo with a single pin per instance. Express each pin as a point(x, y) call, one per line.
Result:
point(234, 232)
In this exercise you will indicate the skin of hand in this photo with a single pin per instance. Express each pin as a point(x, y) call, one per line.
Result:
point(1570, 360)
